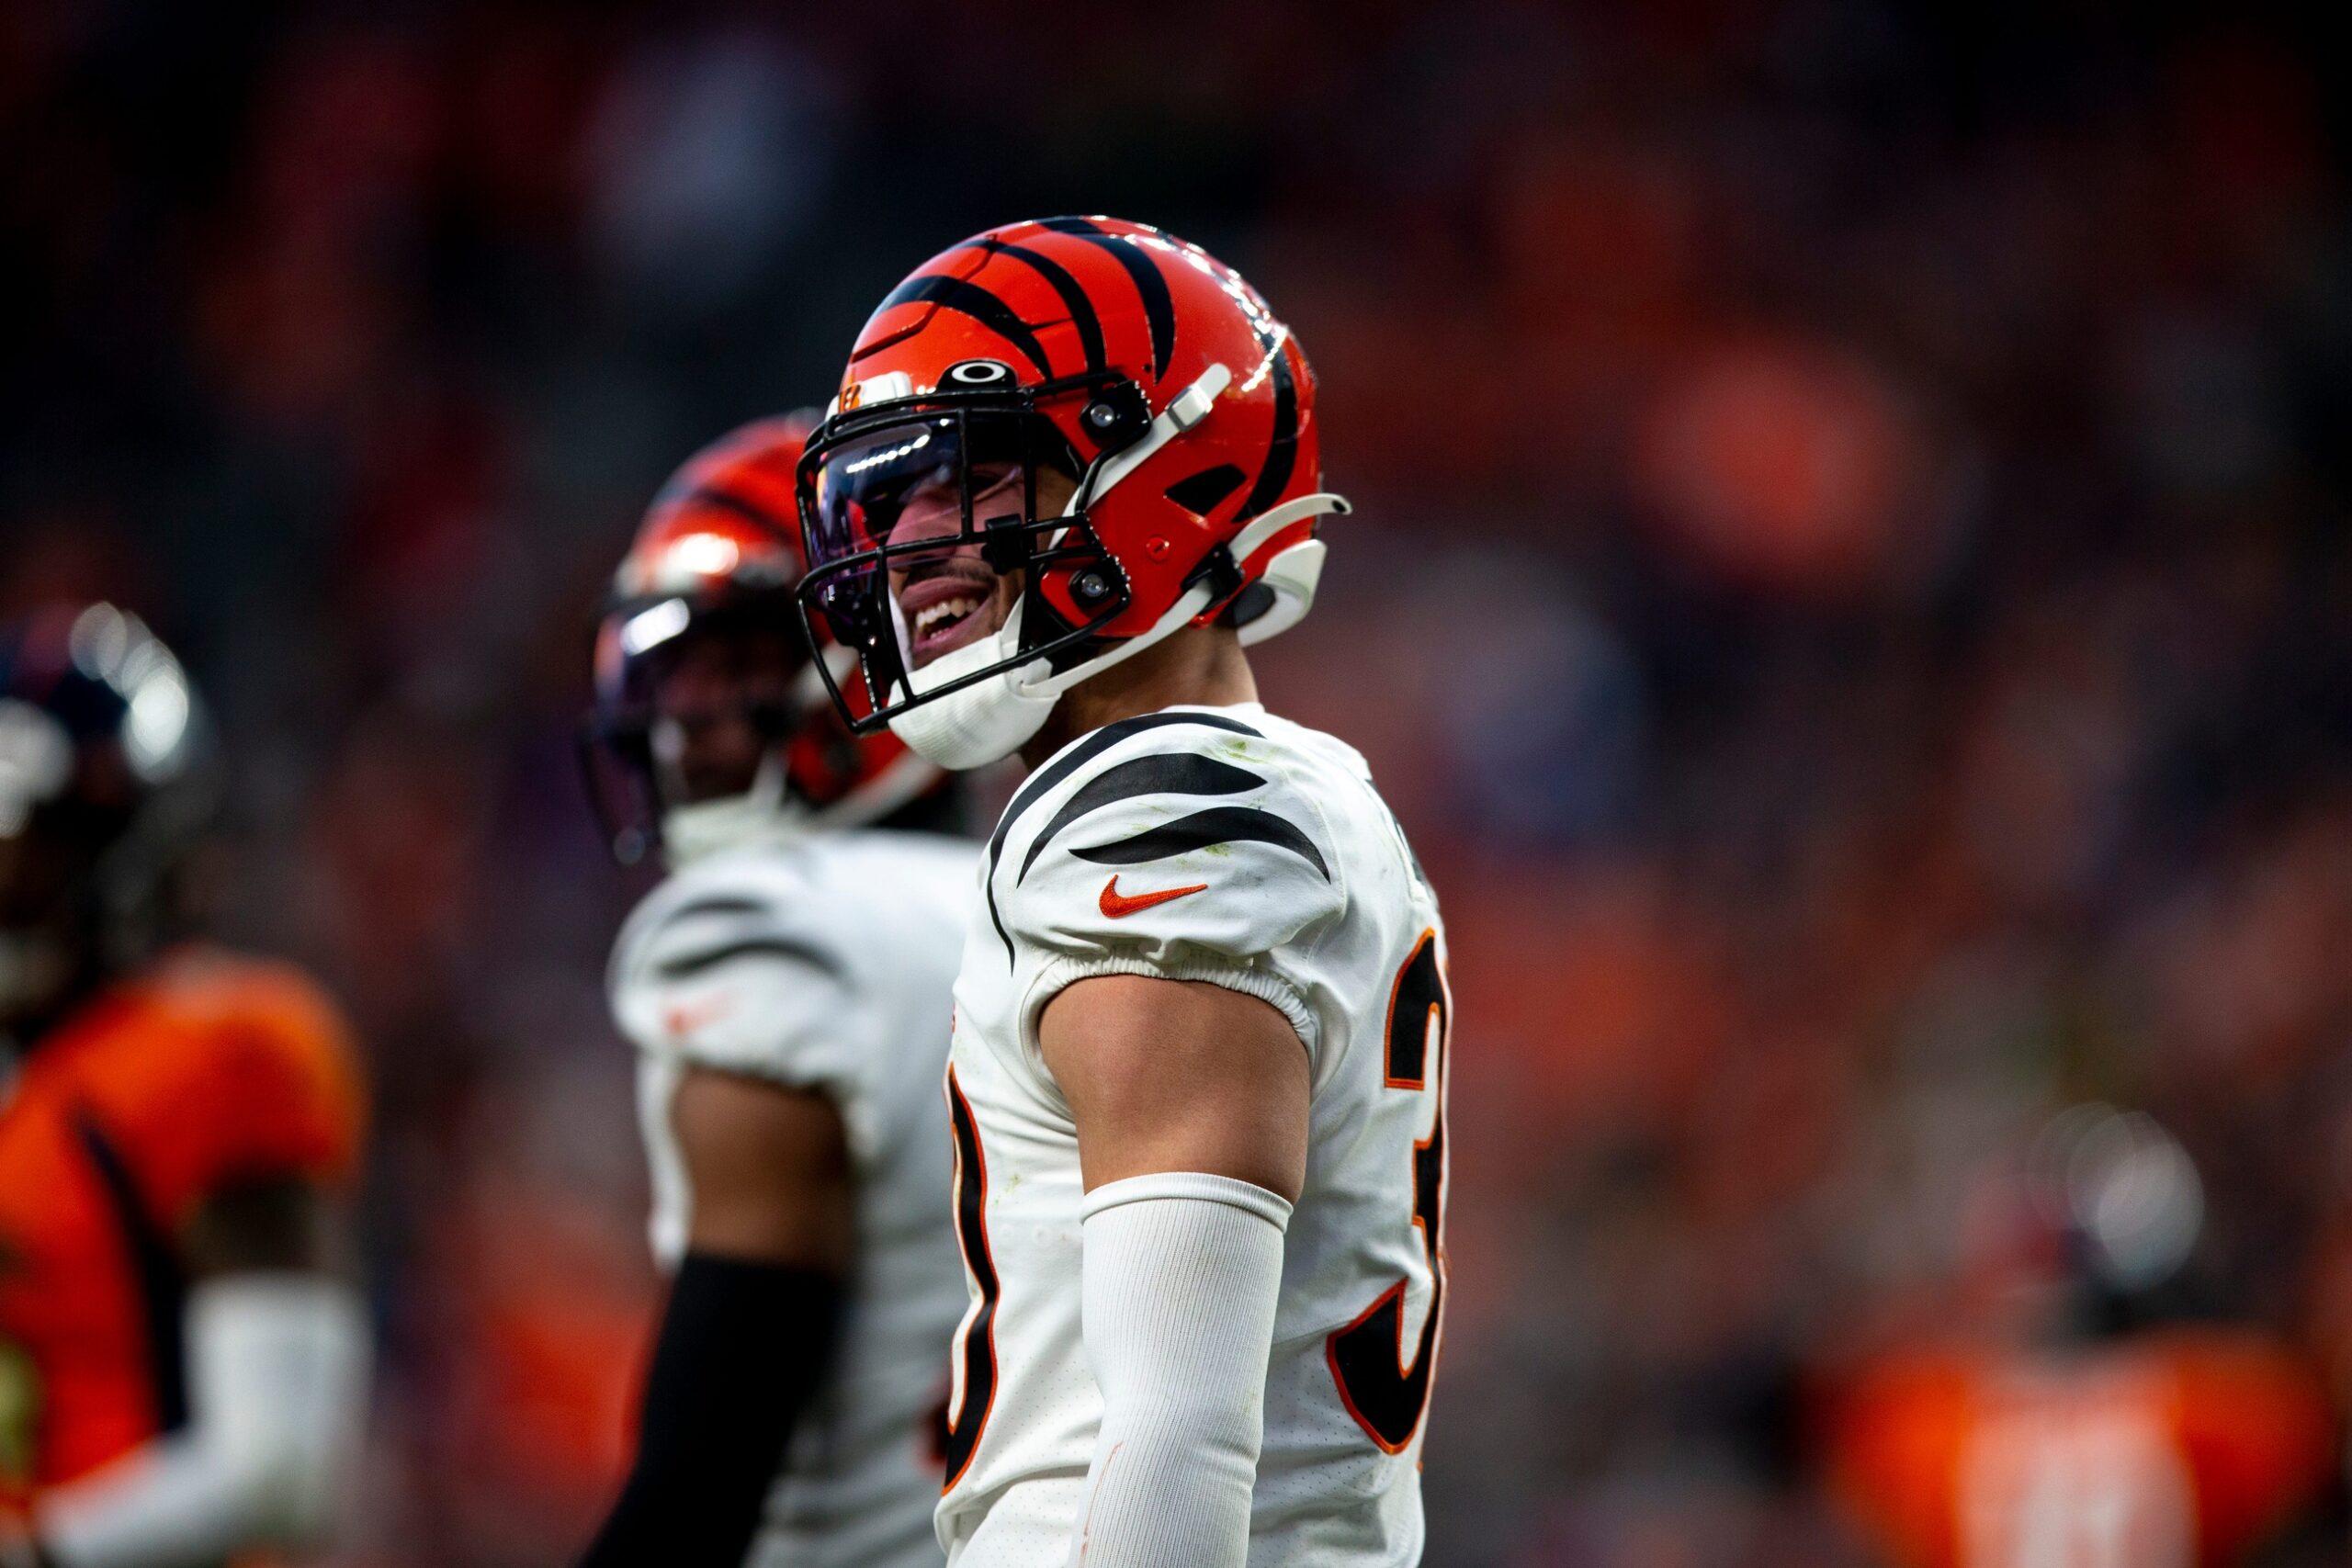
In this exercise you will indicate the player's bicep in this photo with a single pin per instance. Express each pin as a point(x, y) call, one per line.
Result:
point(769, 1168)
point(1179, 1075)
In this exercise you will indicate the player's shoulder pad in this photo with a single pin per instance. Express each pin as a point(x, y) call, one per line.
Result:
point(254, 1068)
point(1172, 834)
point(731, 964)
point(229, 999)
point(721, 911)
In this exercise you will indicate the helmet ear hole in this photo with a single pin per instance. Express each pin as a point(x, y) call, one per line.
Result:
point(1200, 495)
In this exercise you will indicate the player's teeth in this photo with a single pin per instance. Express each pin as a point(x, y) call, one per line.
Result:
point(946, 610)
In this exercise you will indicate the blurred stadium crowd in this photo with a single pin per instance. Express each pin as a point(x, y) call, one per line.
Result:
point(1848, 593)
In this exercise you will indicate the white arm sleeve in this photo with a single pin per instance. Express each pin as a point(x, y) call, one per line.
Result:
point(277, 1374)
point(1180, 1274)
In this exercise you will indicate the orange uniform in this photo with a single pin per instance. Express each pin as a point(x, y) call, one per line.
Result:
point(204, 1072)
point(2180, 1449)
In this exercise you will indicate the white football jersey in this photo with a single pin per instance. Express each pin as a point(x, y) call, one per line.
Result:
point(1226, 845)
point(826, 963)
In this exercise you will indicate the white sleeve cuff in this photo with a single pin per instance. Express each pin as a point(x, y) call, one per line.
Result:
point(1246, 1196)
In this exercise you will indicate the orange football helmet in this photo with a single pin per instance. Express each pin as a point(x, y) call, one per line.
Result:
point(715, 555)
point(1156, 388)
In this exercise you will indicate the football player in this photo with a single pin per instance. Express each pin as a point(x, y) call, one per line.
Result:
point(183, 1355)
point(2082, 1407)
point(787, 989)
point(1198, 1082)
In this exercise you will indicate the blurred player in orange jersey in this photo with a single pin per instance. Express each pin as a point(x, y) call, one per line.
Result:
point(182, 1360)
point(2086, 1434)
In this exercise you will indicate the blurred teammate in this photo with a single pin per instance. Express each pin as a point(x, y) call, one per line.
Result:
point(183, 1359)
point(2088, 1433)
point(1197, 1081)
point(787, 989)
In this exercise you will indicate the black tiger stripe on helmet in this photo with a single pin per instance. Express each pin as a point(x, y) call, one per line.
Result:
point(1083, 318)
point(743, 506)
point(968, 299)
point(1158, 304)
point(1282, 443)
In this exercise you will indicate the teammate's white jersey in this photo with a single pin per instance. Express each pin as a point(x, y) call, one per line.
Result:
point(826, 963)
point(1225, 845)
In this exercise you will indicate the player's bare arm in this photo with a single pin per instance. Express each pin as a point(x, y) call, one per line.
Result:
point(1177, 1074)
point(271, 1224)
point(771, 1172)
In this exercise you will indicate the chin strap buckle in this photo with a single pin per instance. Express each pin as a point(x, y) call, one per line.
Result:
point(1220, 570)
point(1219, 573)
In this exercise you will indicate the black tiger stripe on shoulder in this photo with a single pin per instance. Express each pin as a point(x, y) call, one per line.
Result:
point(1083, 317)
point(1177, 773)
point(716, 903)
point(1094, 746)
point(1042, 782)
point(1217, 825)
point(692, 963)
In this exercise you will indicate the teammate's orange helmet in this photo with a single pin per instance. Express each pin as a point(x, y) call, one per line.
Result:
point(1142, 370)
point(717, 553)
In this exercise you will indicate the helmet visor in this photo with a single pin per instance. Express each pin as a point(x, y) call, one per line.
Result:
point(925, 527)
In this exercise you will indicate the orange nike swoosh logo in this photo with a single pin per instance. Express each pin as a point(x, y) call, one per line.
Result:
point(684, 1018)
point(1117, 904)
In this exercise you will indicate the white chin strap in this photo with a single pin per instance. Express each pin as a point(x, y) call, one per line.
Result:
point(988, 719)
point(766, 811)
point(991, 719)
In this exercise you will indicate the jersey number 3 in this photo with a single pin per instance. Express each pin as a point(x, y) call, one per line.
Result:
point(1386, 1392)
